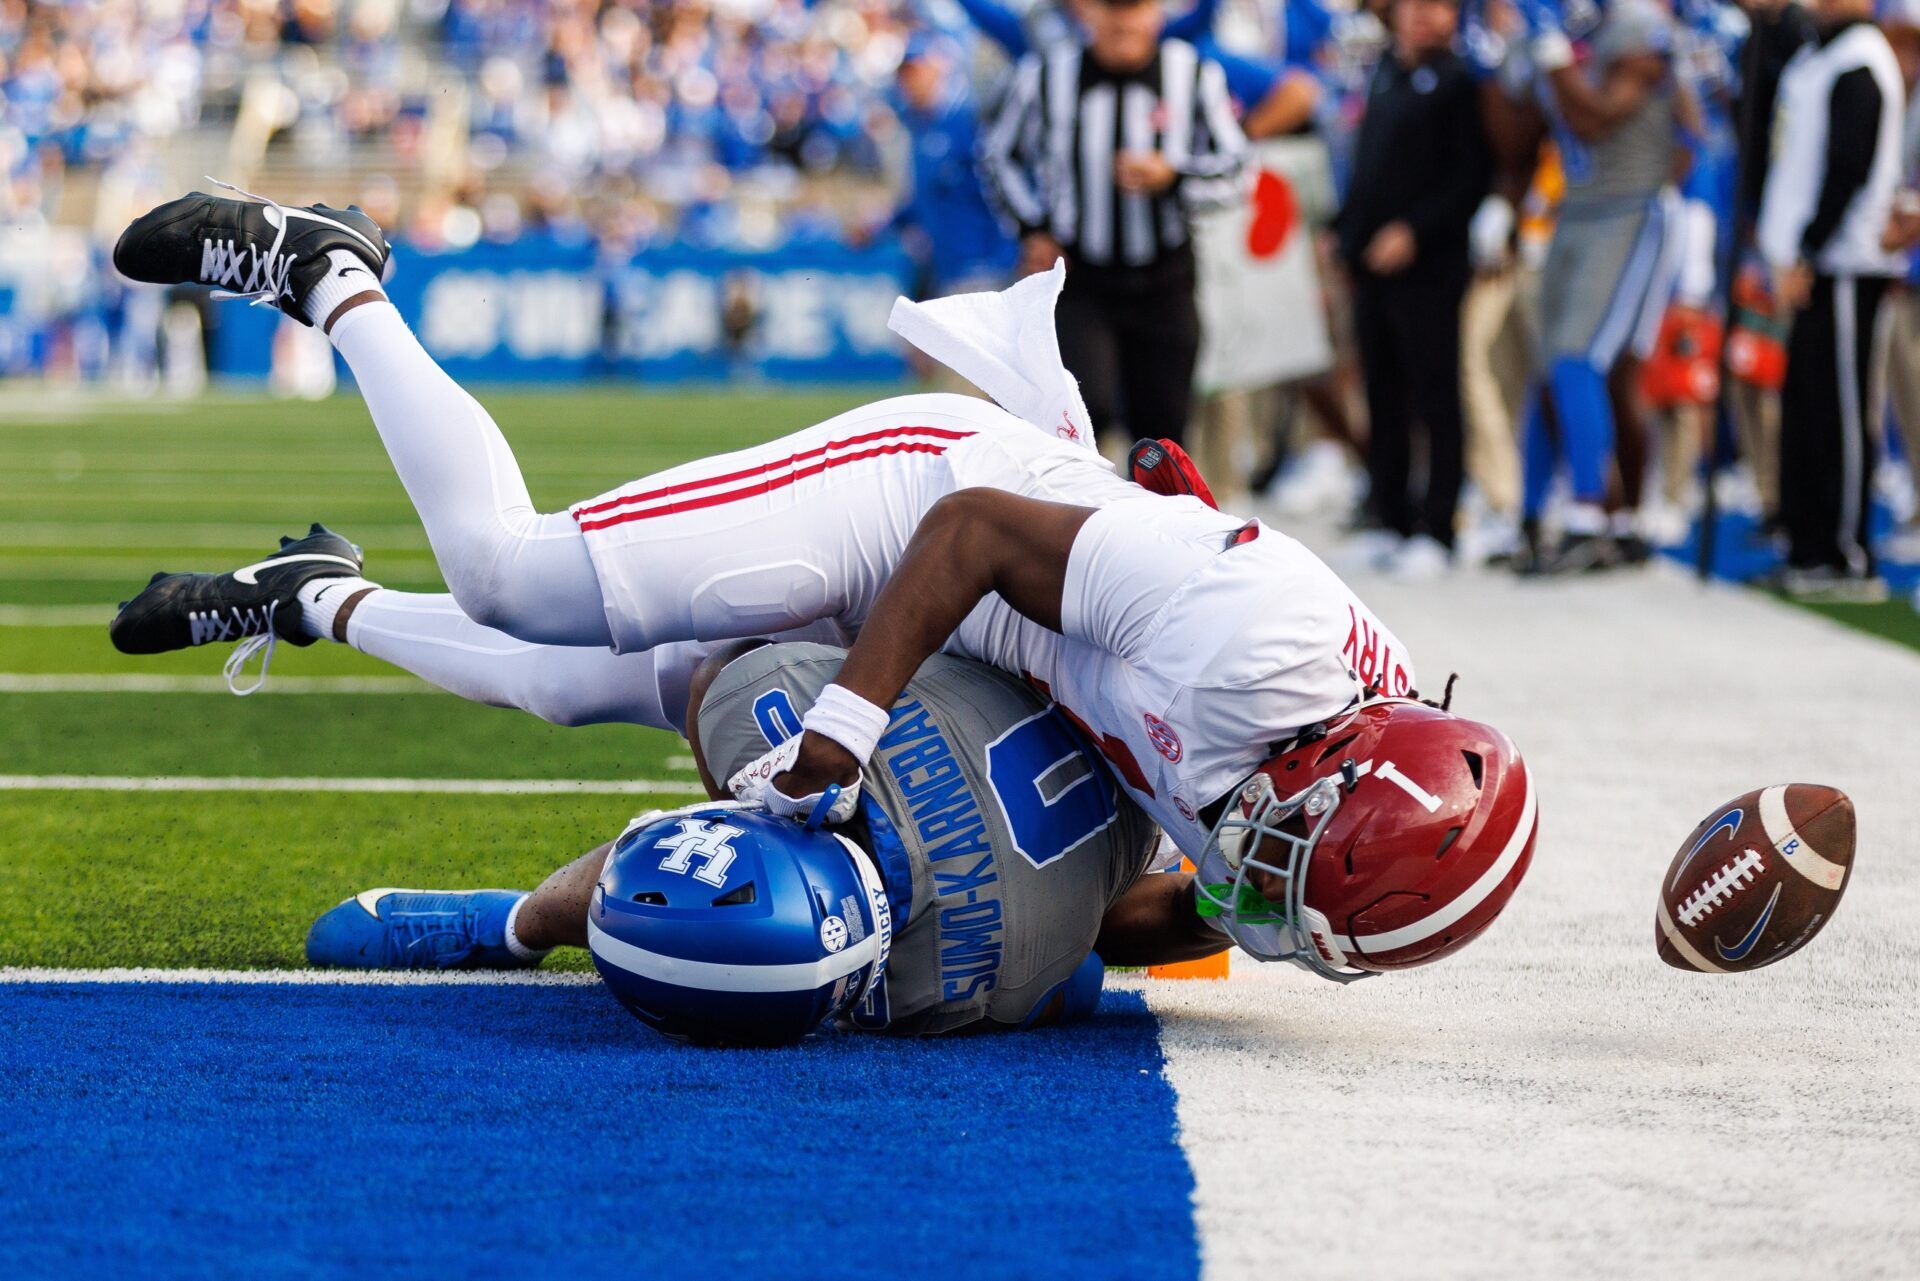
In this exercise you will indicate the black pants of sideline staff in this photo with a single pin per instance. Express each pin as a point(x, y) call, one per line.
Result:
point(1407, 327)
point(1826, 438)
point(1131, 336)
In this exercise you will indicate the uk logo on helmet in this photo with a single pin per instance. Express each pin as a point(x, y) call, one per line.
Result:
point(710, 842)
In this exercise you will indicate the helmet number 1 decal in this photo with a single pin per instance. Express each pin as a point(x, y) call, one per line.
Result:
point(710, 842)
point(1390, 773)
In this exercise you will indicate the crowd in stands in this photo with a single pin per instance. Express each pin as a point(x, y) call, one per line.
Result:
point(757, 122)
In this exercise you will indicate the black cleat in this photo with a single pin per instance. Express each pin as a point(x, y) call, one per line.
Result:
point(1632, 549)
point(250, 248)
point(176, 611)
point(1577, 554)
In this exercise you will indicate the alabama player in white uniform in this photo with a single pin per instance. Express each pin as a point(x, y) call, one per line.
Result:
point(1190, 645)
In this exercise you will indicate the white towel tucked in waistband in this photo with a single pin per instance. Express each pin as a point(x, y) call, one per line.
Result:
point(1005, 345)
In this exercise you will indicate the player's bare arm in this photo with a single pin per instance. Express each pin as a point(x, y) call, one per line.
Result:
point(970, 545)
point(1594, 111)
point(1156, 923)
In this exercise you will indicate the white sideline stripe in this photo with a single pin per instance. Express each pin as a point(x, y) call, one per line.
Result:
point(137, 683)
point(451, 786)
point(303, 978)
point(55, 615)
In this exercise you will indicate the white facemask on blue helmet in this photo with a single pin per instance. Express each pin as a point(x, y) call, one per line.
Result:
point(728, 926)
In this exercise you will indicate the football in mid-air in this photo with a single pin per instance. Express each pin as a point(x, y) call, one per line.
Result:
point(1756, 880)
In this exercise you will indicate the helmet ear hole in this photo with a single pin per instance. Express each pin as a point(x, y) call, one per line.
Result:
point(1333, 747)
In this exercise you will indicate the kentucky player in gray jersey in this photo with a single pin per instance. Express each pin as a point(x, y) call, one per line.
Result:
point(1014, 865)
point(1608, 88)
point(1017, 838)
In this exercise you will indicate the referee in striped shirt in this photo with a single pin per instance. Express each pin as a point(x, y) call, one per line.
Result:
point(1100, 154)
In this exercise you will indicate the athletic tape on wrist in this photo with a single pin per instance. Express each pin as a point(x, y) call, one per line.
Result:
point(847, 719)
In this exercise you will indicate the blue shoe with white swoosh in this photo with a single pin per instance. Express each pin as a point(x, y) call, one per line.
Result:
point(175, 611)
point(389, 929)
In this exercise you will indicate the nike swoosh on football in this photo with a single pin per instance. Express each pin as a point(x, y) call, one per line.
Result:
point(1739, 950)
point(1729, 823)
point(245, 573)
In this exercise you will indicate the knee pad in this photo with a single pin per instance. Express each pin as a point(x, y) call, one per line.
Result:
point(747, 595)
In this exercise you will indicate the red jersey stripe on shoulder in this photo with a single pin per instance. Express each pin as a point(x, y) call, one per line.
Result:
point(764, 486)
point(581, 513)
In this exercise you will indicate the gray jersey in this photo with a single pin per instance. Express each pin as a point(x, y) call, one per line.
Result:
point(1634, 161)
point(1000, 832)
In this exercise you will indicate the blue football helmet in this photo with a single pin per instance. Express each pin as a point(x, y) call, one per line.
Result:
point(728, 926)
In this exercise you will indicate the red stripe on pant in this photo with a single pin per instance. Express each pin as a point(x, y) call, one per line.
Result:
point(633, 500)
point(764, 487)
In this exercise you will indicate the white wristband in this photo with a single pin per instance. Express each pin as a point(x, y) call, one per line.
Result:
point(1552, 50)
point(847, 719)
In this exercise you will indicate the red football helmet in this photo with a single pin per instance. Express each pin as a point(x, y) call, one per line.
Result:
point(1385, 839)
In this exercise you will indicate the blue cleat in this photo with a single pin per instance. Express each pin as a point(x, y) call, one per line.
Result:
point(389, 929)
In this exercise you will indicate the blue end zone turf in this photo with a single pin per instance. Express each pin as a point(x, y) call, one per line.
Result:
point(329, 1131)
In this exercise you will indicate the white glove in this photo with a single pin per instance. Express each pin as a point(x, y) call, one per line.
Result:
point(753, 785)
point(1491, 234)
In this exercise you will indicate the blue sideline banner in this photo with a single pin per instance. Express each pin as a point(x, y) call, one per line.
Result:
point(547, 311)
point(530, 311)
point(814, 313)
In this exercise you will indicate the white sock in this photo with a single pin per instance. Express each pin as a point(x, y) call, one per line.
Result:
point(321, 599)
point(566, 684)
point(1584, 518)
point(520, 950)
point(347, 275)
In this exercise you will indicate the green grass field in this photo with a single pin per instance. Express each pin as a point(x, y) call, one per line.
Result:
point(1896, 620)
point(95, 498)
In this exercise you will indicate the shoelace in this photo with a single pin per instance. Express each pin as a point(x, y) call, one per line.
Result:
point(242, 654)
point(247, 273)
point(252, 628)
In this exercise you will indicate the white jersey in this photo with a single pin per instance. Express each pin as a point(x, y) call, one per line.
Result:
point(1191, 640)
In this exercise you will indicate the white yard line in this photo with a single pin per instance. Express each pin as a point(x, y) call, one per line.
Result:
point(54, 615)
point(446, 786)
point(303, 978)
point(387, 536)
point(137, 683)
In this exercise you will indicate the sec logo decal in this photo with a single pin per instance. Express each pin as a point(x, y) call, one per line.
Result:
point(1165, 741)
